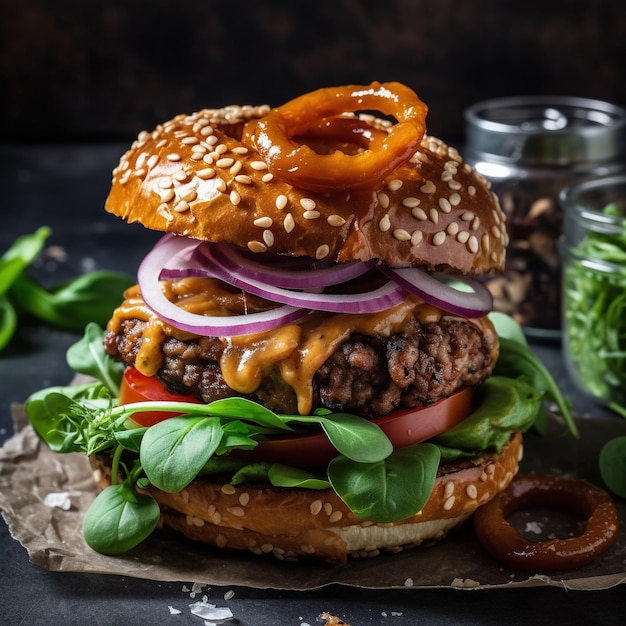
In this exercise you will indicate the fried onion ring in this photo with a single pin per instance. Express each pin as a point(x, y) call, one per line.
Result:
point(506, 545)
point(299, 165)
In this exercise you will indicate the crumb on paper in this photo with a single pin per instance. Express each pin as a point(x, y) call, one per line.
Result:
point(208, 611)
point(408, 582)
point(174, 611)
point(465, 583)
point(229, 594)
point(59, 500)
point(332, 620)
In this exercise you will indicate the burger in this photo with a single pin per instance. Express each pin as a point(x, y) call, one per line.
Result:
point(308, 361)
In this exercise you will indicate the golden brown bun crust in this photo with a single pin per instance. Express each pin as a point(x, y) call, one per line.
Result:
point(300, 522)
point(193, 176)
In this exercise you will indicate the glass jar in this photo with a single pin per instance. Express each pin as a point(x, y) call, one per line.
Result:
point(530, 148)
point(593, 249)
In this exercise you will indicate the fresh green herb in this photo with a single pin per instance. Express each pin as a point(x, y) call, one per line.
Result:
point(367, 474)
point(595, 311)
point(70, 306)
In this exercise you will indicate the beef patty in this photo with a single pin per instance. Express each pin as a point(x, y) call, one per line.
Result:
point(367, 375)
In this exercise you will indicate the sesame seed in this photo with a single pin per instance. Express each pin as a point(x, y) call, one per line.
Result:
point(190, 141)
point(394, 185)
point(152, 161)
point(467, 216)
point(322, 252)
point(288, 223)
point(383, 199)
point(444, 205)
point(181, 206)
point(220, 185)
point(221, 148)
point(311, 215)
point(244, 179)
point(434, 216)
point(486, 242)
point(257, 246)
point(166, 182)
point(259, 166)
point(335, 220)
point(237, 511)
point(206, 173)
point(454, 199)
point(335, 517)
point(448, 490)
point(224, 162)
point(211, 141)
point(307, 203)
point(206, 131)
point(416, 237)
point(447, 175)
point(455, 185)
point(281, 202)
point(268, 238)
point(452, 229)
point(471, 190)
point(495, 231)
point(449, 503)
point(471, 491)
point(385, 223)
point(476, 223)
point(235, 197)
point(240, 150)
point(462, 236)
point(208, 159)
point(221, 541)
point(439, 238)
point(428, 187)
point(266, 178)
point(316, 507)
point(410, 202)
point(236, 168)
point(263, 222)
point(181, 176)
point(162, 143)
point(189, 195)
point(472, 244)
point(419, 214)
point(167, 195)
point(173, 157)
point(401, 235)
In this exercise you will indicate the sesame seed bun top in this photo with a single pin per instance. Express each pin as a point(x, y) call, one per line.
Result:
point(194, 176)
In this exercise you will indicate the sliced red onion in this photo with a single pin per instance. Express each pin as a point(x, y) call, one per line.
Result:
point(313, 277)
point(149, 274)
point(373, 301)
point(434, 289)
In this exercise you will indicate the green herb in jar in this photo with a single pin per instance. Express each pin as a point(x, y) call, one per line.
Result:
point(595, 311)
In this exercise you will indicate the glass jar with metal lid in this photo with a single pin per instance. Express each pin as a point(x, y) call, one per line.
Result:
point(529, 148)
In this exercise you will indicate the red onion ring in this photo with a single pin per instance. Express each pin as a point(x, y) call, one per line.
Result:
point(379, 299)
point(149, 275)
point(313, 277)
point(433, 288)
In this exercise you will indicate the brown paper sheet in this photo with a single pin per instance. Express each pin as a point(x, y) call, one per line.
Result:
point(30, 472)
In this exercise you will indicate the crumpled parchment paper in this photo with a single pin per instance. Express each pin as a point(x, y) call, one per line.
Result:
point(43, 497)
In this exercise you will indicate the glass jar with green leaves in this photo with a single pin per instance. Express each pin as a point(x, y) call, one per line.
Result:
point(594, 286)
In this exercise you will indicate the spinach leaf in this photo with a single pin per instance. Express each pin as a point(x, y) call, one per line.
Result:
point(174, 451)
point(612, 464)
point(287, 476)
point(242, 408)
point(88, 298)
point(87, 356)
point(389, 490)
point(20, 255)
point(8, 321)
point(119, 519)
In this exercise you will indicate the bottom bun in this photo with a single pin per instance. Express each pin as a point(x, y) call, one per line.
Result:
point(301, 522)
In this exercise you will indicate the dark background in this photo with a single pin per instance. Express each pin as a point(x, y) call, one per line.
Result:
point(81, 69)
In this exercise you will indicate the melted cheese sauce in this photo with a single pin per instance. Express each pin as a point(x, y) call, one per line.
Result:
point(297, 349)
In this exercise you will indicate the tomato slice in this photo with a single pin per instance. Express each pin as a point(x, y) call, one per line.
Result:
point(136, 387)
point(403, 428)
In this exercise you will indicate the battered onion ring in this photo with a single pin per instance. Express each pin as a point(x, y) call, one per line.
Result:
point(506, 545)
point(299, 165)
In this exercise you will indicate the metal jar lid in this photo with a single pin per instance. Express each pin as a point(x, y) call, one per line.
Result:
point(546, 130)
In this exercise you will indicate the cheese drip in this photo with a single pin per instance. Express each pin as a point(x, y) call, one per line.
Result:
point(296, 350)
